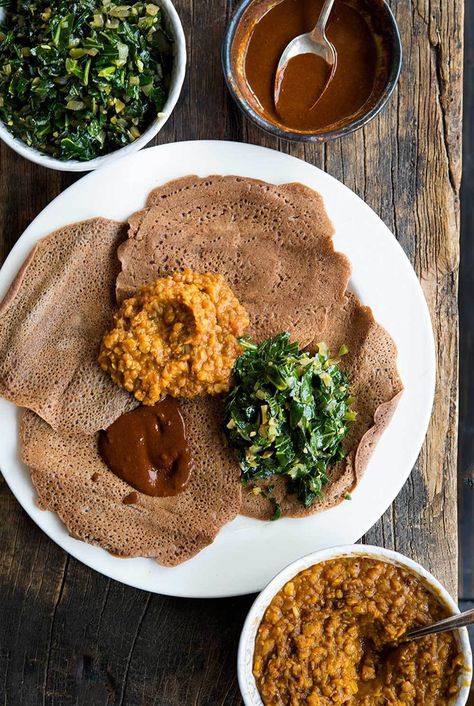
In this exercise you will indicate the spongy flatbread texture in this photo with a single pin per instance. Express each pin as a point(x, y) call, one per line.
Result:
point(376, 386)
point(71, 480)
point(51, 323)
point(272, 243)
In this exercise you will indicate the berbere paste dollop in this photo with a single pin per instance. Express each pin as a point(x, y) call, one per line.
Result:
point(147, 448)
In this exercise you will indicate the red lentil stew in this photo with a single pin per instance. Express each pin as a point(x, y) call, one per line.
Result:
point(323, 639)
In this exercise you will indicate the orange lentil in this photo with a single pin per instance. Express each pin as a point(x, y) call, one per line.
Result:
point(330, 651)
point(176, 336)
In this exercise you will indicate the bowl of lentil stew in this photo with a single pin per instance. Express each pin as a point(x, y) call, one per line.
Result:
point(316, 634)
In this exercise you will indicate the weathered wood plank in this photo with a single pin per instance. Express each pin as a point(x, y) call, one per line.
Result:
point(71, 636)
point(417, 159)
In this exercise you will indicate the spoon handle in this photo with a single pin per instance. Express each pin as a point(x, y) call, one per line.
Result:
point(455, 621)
point(323, 18)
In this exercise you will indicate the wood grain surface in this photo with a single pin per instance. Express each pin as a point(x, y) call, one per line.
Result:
point(70, 636)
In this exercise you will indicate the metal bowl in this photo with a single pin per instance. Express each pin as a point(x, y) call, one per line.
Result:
point(384, 14)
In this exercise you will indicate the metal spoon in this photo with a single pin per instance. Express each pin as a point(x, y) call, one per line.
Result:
point(455, 621)
point(314, 42)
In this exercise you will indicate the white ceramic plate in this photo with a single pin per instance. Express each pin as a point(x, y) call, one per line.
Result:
point(247, 553)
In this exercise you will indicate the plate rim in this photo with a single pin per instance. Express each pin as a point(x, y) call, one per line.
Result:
point(7, 273)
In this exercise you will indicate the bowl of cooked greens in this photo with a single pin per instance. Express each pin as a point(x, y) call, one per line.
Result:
point(83, 83)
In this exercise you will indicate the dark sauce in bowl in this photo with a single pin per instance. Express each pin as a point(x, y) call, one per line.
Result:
point(363, 38)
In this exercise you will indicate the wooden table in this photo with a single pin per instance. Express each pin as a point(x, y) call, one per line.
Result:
point(70, 636)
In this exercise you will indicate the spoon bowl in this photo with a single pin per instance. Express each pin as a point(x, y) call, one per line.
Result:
point(314, 42)
point(460, 620)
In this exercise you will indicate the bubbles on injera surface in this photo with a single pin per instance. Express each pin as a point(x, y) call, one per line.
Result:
point(272, 244)
point(71, 480)
point(51, 323)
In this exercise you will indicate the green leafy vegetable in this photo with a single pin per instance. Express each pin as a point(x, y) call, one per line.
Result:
point(276, 511)
point(288, 414)
point(82, 78)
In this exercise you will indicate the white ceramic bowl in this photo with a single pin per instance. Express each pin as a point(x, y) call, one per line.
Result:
point(173, 23)
point(247, 683)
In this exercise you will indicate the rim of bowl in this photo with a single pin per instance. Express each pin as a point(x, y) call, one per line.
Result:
point(248, 687)
point(247, 109)
point(177, 79)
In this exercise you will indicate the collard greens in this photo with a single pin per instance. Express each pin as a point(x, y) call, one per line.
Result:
point(288, 414)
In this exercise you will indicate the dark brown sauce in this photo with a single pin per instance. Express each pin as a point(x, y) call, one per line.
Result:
point(361, 73)
point(147, 449)
point(131, 499)
point(302, 83)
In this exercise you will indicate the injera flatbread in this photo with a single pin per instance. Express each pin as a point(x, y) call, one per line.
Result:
point(273, 245)
point(51, 323)
point(376, 386)
point(240, 228)
point(170, 529)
